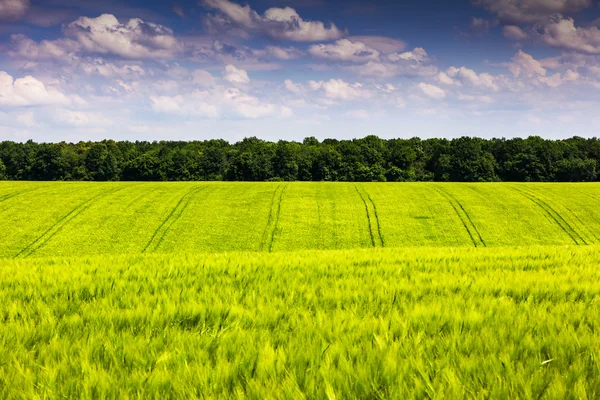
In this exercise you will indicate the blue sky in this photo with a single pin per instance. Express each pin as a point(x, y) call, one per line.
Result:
point(277, 69)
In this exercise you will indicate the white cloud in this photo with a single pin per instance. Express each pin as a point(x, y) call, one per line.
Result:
point(284, 53)
point(203, 77)
point(98, 66)
point(418, 55)
point(135, 39)
point(23, 47)
point(194, 104)
point(292, 87)
point(12, 10)
point(561, 32)
point(250, 107)
point(524, 64)
point(237, 76)
point(409, 63)
point(445, 79)
point(344, 50)
point(28, 91)
point(530, 11)
point(275, 23)
point(432, 91)
point(513, 32)
point(337, 89)
point(381, 43)
point(553, 81)
point(167, 104)
point(465, 75)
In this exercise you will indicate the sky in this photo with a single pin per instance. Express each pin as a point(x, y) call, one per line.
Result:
point(73, 70)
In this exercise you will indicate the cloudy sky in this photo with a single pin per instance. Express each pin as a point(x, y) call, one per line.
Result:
point(148, 70)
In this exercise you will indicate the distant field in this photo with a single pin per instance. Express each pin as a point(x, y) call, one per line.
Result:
point(379, 323)
point(50, 219)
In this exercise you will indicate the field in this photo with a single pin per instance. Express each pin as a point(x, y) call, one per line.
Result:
point(424, 323)
point(299, 290)
point(68, 219)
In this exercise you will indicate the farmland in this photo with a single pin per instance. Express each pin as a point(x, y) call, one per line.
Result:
point(299, 290)
point(372, 323)
point(80, 219)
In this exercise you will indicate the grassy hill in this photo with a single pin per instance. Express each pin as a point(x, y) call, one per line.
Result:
point(50, 219)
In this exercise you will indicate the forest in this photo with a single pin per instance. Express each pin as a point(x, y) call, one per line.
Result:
point(465, 159)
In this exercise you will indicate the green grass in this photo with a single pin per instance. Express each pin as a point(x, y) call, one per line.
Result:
point(371, 323)
point(67, 219)
point(299, 290)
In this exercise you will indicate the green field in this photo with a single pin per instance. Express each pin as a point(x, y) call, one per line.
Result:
point(299, 290)
point(65, 219)
point(419, 323)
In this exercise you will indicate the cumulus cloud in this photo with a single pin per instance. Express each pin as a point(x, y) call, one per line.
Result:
point(467, 76)
point(275, 23)
point(218, 102)
point(195, 104)
point(445, 79)
point(344, 50)
point(251, 107)
point(25, 48)
point(409, 63)
point(237, 76)
point(381, 43)
point(100, 67)
point(530, 11)
point(293, 87)
point(338, 89)
point(28, 91)
point(135, 39)
point(432, 91)
point(524, 64)
point(203, 77)
point(561, 32)
point(513, 32)
point(13, 10)
point(284, 53)
point(418, 55)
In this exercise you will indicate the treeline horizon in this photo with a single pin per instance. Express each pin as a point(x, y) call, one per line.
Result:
point(465, 159)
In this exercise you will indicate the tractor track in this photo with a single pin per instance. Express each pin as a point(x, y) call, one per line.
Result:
point(43, 239)
point(464, 217)
point(9, 196)
point(170, 220)
point(554, 215)
point(373, 221)
point(270, 231)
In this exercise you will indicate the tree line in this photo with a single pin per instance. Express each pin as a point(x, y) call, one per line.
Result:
point(464, 159)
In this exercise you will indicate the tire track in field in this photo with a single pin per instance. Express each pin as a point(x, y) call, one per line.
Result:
point(9, 196)
point(554, 215)
point(464, 217)
point(372, 217)
point(273, 222)
point(265, 236)
point(42, 240)
point(171, 219)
